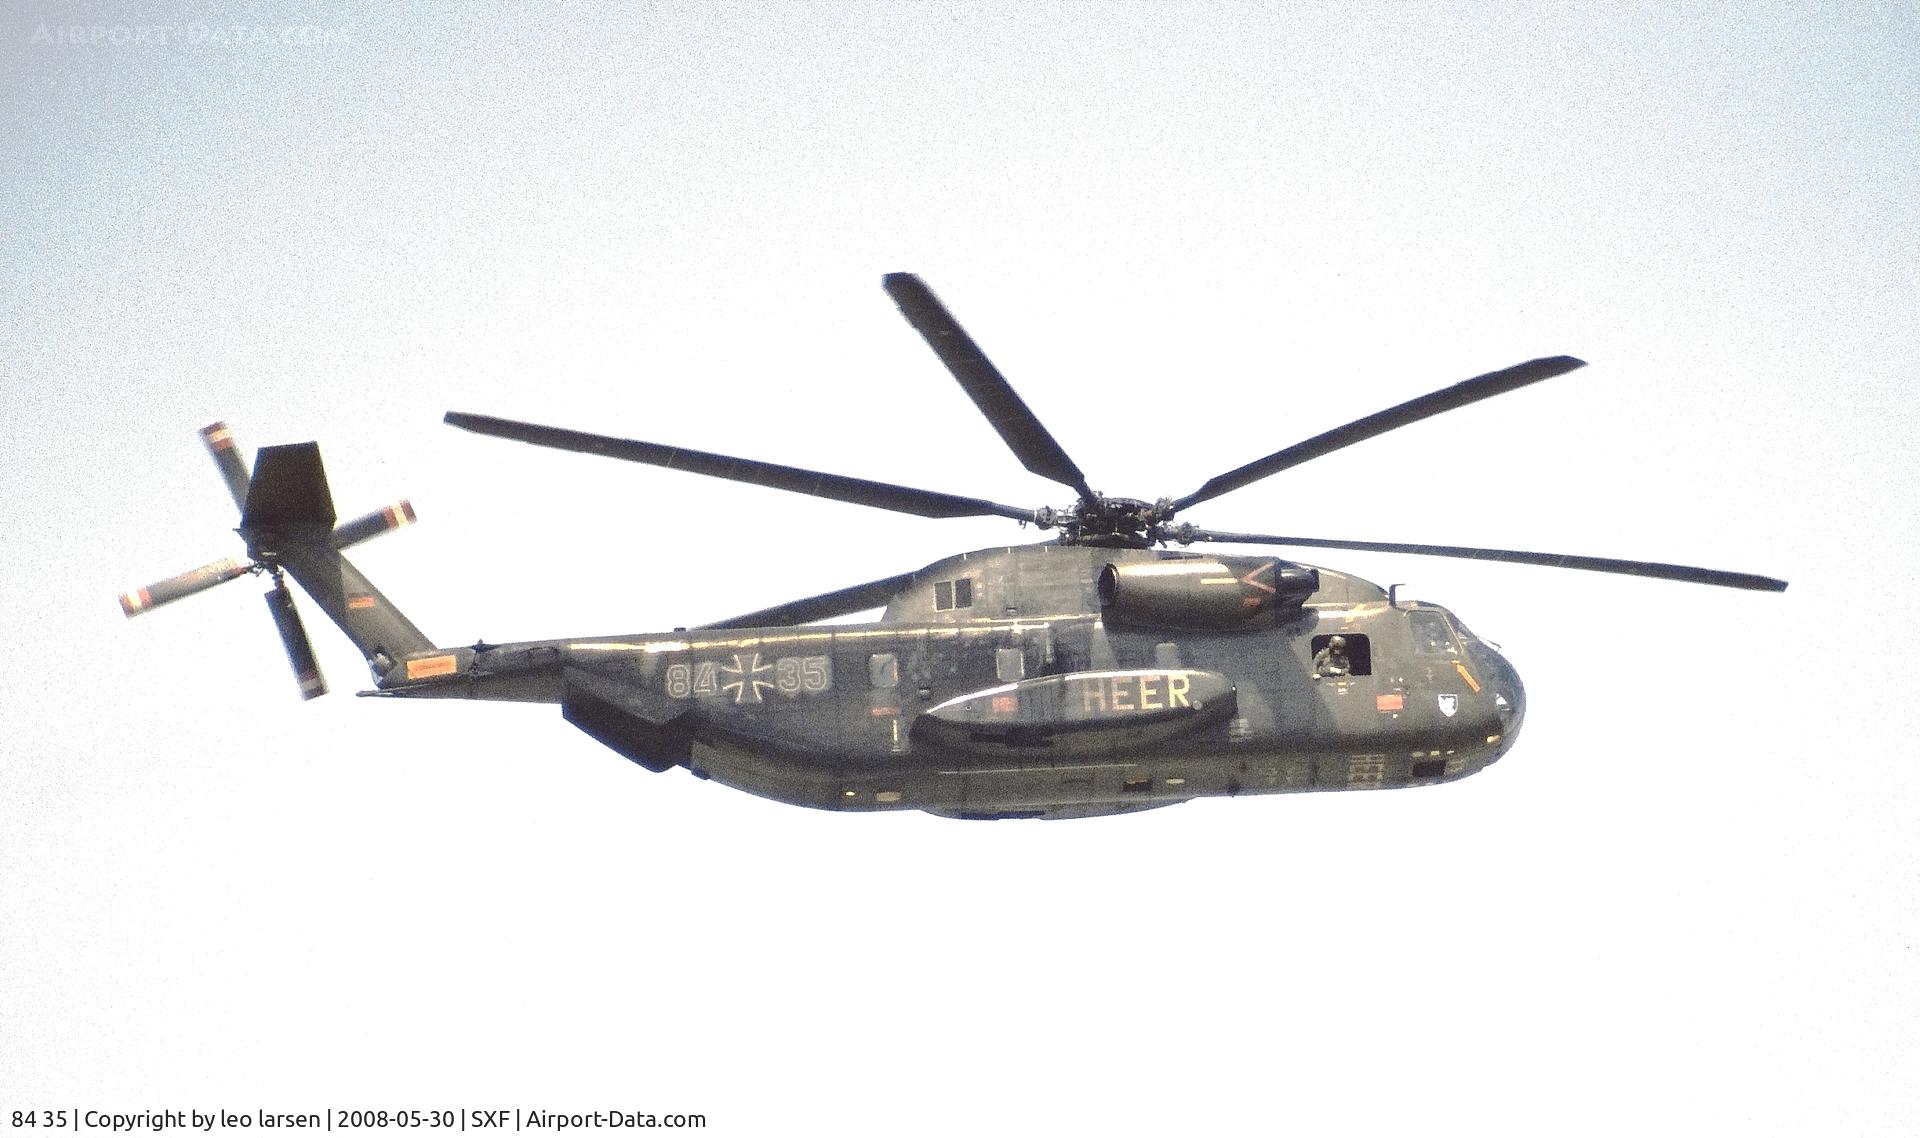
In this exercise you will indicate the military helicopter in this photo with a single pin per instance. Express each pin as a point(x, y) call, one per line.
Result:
point(1096, 673)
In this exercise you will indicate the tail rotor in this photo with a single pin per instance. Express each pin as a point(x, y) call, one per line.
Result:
point(274, 524)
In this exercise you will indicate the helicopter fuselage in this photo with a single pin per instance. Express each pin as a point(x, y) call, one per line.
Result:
point(1010, 683)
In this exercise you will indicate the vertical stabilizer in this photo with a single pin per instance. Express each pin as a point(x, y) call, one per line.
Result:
point(289, 521)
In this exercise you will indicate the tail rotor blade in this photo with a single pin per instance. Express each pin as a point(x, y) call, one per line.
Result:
point(226, 455)
point(137, 601)
point(373, 525)
point(293, 635)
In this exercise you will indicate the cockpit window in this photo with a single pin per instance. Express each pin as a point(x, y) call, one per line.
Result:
point(1431, 636)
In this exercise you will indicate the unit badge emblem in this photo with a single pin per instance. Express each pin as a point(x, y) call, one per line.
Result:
point(1449, 704)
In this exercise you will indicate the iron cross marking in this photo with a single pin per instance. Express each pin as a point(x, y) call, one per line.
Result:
point(746, 684)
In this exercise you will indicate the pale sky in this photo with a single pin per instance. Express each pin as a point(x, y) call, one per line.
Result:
point(1687, 901)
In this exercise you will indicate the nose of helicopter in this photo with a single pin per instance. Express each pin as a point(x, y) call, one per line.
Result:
point(1509, 699)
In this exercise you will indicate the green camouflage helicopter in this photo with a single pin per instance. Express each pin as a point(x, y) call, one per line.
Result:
point(1097, 673)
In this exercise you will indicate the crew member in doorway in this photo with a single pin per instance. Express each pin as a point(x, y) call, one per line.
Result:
point(1332, 659)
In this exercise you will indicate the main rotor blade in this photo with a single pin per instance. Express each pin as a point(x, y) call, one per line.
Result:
point(983, 383)
point(859, 491)
point(136, 601)
point(293, 635)
point(226, 455)
point(1412, 411)
point(1657, 569)
point(840, 602)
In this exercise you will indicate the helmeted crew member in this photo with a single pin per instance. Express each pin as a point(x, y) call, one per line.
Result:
point(1332, 659)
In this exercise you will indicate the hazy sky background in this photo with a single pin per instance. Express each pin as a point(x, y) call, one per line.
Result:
point(1687, 901)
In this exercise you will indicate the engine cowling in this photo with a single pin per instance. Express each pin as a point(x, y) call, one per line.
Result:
point(1206, 593)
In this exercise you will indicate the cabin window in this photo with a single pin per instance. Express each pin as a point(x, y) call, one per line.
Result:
point(1353, 656)
point(1431, 636)
point(1010, 664)
point(1430, 768)
point(953, 594)
point(883, 670)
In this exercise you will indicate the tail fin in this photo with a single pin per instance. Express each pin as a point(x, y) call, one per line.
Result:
point(288, 521)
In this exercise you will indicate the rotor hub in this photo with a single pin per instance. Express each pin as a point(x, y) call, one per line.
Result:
point(1108, 521)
